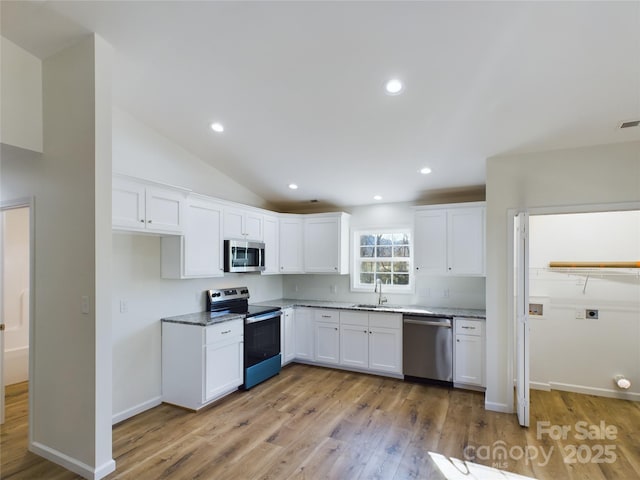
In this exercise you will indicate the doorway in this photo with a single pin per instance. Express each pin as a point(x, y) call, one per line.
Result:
point(16, 296)
point(557, 318)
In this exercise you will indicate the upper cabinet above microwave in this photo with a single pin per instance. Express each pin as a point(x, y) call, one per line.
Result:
point(450, 239)
point(242, 224)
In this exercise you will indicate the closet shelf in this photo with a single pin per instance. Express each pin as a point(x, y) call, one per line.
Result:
point(572, 265)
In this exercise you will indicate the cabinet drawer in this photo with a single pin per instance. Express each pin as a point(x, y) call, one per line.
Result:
point(348, 317)
point(223, 331)
point(327, 316)
point(467, 326)
point(385, 320)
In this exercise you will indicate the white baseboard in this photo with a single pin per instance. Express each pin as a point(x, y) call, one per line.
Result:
point(601, 392)
point(497, 407)
point(135, 410)
point(72, 464)
point(540, 386)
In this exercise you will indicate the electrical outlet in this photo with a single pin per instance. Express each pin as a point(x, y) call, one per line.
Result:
point(580, 314)
point(445, 293)
point(85, 304)
point(124, 306)
point(333, 289)
point(590, 313)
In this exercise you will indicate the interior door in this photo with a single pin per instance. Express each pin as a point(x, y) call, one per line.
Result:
point(521, 315)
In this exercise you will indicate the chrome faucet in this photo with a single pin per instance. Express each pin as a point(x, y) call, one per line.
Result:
point(378, 290)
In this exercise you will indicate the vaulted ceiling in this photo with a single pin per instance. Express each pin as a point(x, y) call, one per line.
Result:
point(299, 86)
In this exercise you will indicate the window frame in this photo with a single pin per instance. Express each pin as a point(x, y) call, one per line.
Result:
point(356, 260)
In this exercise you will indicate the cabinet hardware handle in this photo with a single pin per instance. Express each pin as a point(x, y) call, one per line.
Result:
point(458, 340)
point(142, 220)
point(326, 316)
point(149, 221)
point(335, 328)
point(226, 331)
point(365, 331)
point(468, 328)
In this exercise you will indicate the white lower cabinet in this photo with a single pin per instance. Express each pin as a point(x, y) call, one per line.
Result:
point(326, 328)
point(303, 333)
point(468, 351)
point(287, 335)
point(371, 341)
point(201, 364)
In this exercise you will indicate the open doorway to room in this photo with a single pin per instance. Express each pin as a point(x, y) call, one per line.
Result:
point(584, 298)
point(16, 248)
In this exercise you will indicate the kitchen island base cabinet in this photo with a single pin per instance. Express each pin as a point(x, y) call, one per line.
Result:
point(201, 364)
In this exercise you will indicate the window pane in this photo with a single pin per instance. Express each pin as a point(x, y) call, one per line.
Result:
point(385, 278)
point(401, 266)
point(367, 240)
point(400, 239)
point(367, 266)
point(400, 279)
point(385, 239)
point(383, 267)
point(366, 251)
point(366, 278)
point(384, 251)
point(401, 251)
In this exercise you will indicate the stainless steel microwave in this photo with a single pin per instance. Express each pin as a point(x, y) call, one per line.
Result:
point(243, 256)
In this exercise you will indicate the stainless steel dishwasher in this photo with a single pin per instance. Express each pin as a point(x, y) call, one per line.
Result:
point(427, 348)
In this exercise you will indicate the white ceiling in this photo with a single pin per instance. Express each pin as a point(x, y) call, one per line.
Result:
point(299, 85)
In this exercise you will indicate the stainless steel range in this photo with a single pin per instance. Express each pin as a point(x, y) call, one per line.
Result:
point(262, 357)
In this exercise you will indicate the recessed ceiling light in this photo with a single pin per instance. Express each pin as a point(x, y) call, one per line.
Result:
point(293, 186)
point(394, 87)
point(217, 127)
point(425, 171)
point(377, 197)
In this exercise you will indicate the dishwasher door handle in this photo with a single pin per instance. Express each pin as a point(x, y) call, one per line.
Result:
point(428, 323)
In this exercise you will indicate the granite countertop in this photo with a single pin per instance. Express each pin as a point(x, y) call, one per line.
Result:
point(203, 318)
point(404, 309)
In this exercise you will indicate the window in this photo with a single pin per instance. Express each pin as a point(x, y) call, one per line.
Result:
point(383, 254)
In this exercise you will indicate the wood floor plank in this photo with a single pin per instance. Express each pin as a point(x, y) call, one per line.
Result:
point(310, 422)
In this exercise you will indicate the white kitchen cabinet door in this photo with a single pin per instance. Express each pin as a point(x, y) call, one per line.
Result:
point(327, 342)
point(326, 243)
point(354, 346)
point(137, 206)
point(468, 360)
point(466, 238)
point(271, 245)
point(198, 254)
point(450, 241)
point(223, 368)
point(303, 332)
point(430, 242)
point(128, 205)
point(385, 349)
point(290, 238)
point(242, 224)
point(287, 335)
point(164, 211)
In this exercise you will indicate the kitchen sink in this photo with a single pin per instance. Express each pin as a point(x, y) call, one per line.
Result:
point(367, 305)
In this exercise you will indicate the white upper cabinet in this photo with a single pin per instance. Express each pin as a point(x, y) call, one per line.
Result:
point(138, 206)
point(326, 243)
point(450, 240)
point(271, 235)
point(291, 236)
point(199, 252)
point(242, 224)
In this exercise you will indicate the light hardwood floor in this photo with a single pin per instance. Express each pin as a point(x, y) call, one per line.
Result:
point(314, 423)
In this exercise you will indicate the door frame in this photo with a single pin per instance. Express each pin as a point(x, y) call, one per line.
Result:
point(511, 322)
point(24, 202)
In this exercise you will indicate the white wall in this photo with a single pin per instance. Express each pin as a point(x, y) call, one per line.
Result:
point(585, 354)
point(437, 291)
point(15, 294)
point(142, 152)
point(70, 421)
point(21, 93)
point(596, 175)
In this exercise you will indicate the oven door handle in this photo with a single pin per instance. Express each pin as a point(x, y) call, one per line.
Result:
point(263, 317)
